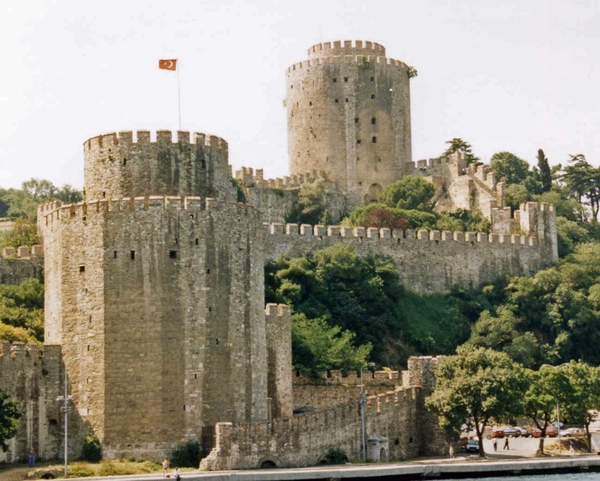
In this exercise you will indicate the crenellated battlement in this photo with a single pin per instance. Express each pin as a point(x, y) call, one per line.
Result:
point(20, 350)
point(145, 138)
point(348, 378)
point(83, 210)
point(408, 235)
point(347, 47)
point(346, 59)
point(277, 310)
point(250, 178)
point(23, 252)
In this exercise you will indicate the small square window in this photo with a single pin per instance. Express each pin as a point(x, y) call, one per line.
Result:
point(172, 254)
point(355, 120)
point(81, 268)
point(372, 96)
point(346, 100)
point(345, 79)
point(374, 140)
point(373, 121)
point(358, 141)
point(336, 101)
point(372, 79)
point(334, 80)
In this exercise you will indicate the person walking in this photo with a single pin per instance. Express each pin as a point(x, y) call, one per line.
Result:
point(165, 465)
point(495, 443)
point(176, 474)
point(571, 446)
point(506, 444)
point(31, 458)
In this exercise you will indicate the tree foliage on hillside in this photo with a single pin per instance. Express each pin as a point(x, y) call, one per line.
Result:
point(458, 144)
point(9, 420)
point(21, 311)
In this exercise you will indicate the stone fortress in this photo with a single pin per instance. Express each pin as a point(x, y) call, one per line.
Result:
point(154, 285)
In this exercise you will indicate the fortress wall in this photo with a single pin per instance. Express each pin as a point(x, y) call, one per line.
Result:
point(304, 439)
point(117, 166)
point(278, 320)
point(33, 378)
point(75, 302)
point(17, 265)
point(181, 282)
point(427, 261)
point(336, 387)
point(349, 116)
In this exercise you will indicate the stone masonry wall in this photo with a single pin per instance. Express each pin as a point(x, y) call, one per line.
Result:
point(117, 166)
point(434, 261)
point(17, 265)
point(349, 116)
point(304, 439)
point(335, 388)
point(34, 378)
point(278, 320)
point(158, 302)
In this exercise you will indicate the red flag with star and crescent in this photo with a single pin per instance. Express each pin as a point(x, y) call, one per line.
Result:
point(168, 64)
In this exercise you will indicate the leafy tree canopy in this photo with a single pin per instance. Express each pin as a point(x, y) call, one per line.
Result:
point(458, 144)
point(409, 193)
point(476, 384)
point(509, 168)
point(9, 419)
point(21, 311)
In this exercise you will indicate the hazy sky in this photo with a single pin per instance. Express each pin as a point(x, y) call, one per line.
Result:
point(515, 75)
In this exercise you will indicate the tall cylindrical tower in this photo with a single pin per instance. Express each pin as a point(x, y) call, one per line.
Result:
point(348, 109)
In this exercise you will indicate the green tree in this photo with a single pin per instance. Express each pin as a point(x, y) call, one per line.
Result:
point(410, 192)
point(501, 333)
point(547, 388)
point(458, 144)
point(582, 406)
point(583, 183)
point(23, 233)
point(544, 171)
point(312, 204)
point(9, 419)
point(478, 385)
point(359, 294)
point(318, 346)
point(509, 168)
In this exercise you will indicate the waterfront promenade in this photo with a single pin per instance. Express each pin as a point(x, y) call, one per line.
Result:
point(459, 468)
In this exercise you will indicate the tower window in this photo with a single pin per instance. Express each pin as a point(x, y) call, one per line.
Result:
point(345, 79)
point(124, 161)
point(132, 255)
point(217, 342)
point(355, 120)
point(103, 194)
point(373, 121)
point(197, 241)
point(372, 96)
point(374, 140)
point(291, 86)
point(334, 79)
point(336, 101)
point(309, 103)
point(358, 141)
point(346, 100)
point(372, 79)
point(81, 268)
point(172, 254)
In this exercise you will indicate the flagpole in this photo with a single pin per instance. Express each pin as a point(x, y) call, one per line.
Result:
point(179, 92)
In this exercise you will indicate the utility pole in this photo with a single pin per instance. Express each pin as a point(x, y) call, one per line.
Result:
point(65, 409)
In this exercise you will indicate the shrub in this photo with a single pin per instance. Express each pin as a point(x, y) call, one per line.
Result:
point(186, 455)
point(92, 451)
point(335, 456)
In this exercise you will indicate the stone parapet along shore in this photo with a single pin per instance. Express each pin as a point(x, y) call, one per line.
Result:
point(439, 469)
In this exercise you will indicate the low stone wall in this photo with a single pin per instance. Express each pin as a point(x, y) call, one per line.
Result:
point(17, 265)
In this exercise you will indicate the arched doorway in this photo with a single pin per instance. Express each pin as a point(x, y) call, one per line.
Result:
point(373, 193)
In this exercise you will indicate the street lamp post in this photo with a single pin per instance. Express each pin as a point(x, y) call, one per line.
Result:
point(363, 401)
point(65, 409)
point(557, 408)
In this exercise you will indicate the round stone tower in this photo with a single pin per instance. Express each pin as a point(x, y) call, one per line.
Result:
point(348, 109)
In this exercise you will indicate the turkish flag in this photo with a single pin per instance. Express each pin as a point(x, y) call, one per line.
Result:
point(168, 64)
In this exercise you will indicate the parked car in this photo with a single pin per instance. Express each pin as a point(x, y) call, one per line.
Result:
point(572, 432)
point(551, 432)
point(524, 431)
point(511, 432)
point(498, 432)
point(472, 446)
